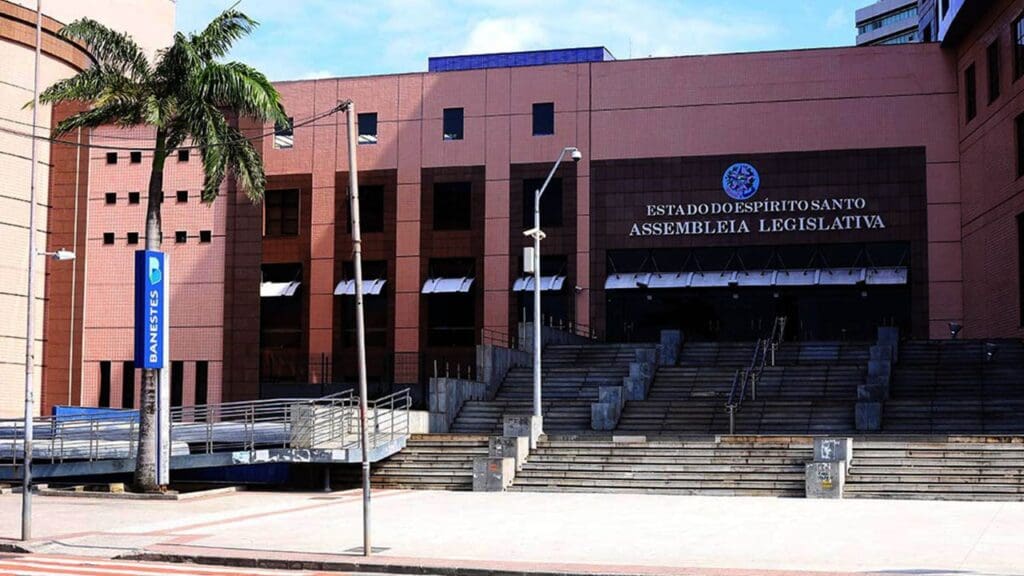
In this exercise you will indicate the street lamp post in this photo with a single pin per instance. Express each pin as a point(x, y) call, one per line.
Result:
point(537, 234)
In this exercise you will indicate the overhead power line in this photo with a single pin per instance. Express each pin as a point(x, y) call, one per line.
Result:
point(53, 140)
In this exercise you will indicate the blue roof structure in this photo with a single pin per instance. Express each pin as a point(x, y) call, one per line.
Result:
point(516, 59)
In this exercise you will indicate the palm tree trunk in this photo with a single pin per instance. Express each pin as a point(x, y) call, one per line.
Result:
point(145, 463)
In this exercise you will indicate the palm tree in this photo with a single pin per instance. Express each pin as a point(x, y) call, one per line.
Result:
point(186, 94)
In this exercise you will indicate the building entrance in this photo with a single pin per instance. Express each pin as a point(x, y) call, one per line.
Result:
point(841, 292)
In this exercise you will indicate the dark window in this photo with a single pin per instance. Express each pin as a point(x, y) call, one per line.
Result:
point(128, 384)
point(205, 236)
point(1018, 125)
point(943, 8)
point(134, 197)
point(367, 128)
point(992, 54)
point(451, 318)
point(927, 35)
point(1020, 265)
point(453, 120)
point(180, 237)
point(136, 157)
point(550, 202)
point(375, 307)
point(371, 209)
point(133, 237)
point(281, 213)
point(452, 206)
point(543, 119)
point(284, 134)
point(183, 155)
point(177, 382)
point(108, 237)
point(1018, 47)
point(111, 157)
point(202, 381)
point(110, 197)
point(970, 94)
point(182, 195)
point(104, 399)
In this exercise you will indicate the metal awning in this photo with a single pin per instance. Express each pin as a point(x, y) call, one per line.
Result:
point(722, 278)
point(447, 285)
point(547, 284)
point(278, 289)
point(371, 287)
point(886, 276)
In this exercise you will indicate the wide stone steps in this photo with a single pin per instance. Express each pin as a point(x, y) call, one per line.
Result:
point(938, 470)
point(680, 467)
point(431, 462)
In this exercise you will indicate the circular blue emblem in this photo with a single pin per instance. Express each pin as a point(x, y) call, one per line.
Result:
point(741, 181)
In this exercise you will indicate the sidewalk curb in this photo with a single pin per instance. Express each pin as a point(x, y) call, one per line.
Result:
point(356, 566)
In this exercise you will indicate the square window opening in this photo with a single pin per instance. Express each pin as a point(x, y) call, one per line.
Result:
point(136, 157)
point(110, 198)
point(108, 238)
point(133, 237)
point(183, 155)
point(180, 237)
point(182, 195)
point(453, 206)
point(134, 197)
point(205, 236)
point(284, 134)
point(111, 157)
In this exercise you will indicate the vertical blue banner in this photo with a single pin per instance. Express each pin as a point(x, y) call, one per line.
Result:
point(151, 317)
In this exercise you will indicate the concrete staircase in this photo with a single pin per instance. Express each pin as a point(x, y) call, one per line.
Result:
point(430, 462)
point(738, 466)
point(951, 387)
point(811, 390)
point(571, 377)
point(972, 469)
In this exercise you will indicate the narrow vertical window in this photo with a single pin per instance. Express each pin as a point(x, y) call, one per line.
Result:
point(992, 58)
point(367, 128)
point(284, 134)
point(1020, 266)
point(202, 382)
point(177, 382)
point(104, 399)
point(970, 94)
point(1018, 47)
point(543, 119)
point(453, 123)
point(128, 385)
point(1018, 125)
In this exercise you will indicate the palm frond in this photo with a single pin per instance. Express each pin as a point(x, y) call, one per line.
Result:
point(115, 113)
point(115, 51)
point(216, 40)
point(240, 88)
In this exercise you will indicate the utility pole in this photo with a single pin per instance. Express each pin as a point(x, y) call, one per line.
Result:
point(357, 261)
point(30, 360)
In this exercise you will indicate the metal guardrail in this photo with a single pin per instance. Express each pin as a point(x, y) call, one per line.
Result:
point(747, 378)
point(331, 422)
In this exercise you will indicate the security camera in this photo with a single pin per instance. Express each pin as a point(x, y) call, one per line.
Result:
point(576, 155)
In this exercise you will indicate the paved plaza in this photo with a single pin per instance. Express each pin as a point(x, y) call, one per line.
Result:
point(583, 533)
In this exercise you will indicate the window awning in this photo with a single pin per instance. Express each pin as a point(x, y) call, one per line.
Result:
point(447, 285)
point(278, 289)
point(371, 287)
point(887, 276)
point(547, 284)
point(718, 279)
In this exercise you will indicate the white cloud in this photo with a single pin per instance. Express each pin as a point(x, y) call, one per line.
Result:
point(505, 35)
point(316, 74)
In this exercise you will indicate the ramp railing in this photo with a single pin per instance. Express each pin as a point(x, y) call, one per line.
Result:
point(331, 422)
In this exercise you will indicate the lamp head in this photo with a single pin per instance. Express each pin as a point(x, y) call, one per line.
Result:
point(63, 255)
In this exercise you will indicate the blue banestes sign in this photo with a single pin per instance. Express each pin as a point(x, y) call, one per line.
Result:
point(151, 316)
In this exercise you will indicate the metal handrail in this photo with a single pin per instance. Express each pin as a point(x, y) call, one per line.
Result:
point(330, 421)
point(764, 349)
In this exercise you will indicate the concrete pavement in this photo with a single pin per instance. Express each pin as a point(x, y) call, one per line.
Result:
point(516, 532)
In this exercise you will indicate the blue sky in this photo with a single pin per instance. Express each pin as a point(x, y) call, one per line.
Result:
point(322, 38)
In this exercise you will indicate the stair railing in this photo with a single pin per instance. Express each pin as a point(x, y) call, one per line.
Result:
point(764, 352)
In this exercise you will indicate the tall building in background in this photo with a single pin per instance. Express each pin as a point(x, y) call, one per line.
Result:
point(888, 22)
point(151, 21)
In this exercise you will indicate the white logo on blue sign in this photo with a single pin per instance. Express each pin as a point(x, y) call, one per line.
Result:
point(741, 181)
point(155, 276)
